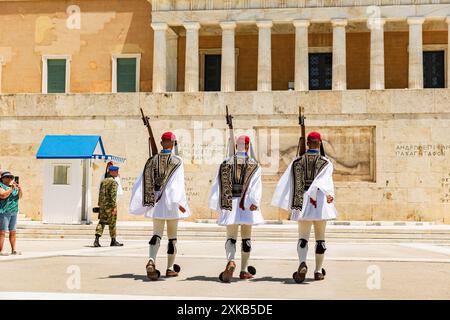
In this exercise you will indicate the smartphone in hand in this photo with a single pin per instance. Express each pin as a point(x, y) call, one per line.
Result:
point(16, 180)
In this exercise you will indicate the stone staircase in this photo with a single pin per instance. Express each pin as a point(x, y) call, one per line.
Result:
point(287, 231)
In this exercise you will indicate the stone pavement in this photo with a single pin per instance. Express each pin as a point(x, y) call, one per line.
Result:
point(72, 269)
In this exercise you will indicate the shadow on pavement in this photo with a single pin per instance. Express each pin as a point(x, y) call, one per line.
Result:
point(283, 280)
point(144, 278)
point(203, 278)
point(136, 277)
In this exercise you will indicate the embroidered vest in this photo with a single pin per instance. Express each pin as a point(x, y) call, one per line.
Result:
point(234, 177)
point(305, 169)
point(157, 172)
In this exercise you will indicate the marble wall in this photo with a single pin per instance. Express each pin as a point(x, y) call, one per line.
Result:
point(390, 148)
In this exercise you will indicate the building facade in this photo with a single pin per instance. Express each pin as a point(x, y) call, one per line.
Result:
point(370, 74)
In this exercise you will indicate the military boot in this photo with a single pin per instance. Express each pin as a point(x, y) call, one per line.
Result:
point(115, 243)
point(97, 242)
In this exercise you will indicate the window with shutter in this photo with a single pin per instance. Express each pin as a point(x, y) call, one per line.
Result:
point(126, 74)
point(433, 69)
point(56, 75)
point(213, 67)
point(320, 71)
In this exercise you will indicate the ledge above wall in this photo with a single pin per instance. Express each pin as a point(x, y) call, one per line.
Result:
point(353, 103)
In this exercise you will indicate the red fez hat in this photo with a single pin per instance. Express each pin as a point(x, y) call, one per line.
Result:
point(244, 138)
point(168, 136)
point(314, 136)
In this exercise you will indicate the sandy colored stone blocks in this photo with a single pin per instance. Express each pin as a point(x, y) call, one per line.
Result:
point(379, 101)
point(354, 101)
point(408, 169)
point(411, 101)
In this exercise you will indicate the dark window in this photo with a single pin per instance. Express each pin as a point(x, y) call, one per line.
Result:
point(212, 72)
point(433, 69)
point(126, 74)
point(56, 75)
point(320, 71)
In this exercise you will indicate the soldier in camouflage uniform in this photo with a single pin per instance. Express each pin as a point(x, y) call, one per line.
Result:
point(107, 202)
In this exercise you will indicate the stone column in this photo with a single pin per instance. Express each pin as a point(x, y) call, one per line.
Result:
point(301, 55)
point(376, 27)
point(172, 60)
point(228, 72)
point(415, 50)
point(339, 76)
point(159, 56)
point(264, 56)
point(191, 82)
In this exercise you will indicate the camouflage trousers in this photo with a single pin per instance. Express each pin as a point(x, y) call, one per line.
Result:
point(111, 222)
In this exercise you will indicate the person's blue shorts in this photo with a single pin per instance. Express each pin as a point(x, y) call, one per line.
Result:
point(8, 221)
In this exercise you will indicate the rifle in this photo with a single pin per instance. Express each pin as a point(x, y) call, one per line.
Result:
point(229, 119)
point(301, 148)
point(152, 148)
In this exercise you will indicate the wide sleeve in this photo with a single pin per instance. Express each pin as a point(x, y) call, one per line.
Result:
point(254, 191)
point(283, 191)
point(175, 189)
point(119, 186)
point(323, 182)
point(102, 177)
point(136, 204)
point(214, 195)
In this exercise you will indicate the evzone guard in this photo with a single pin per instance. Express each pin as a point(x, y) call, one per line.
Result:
point(236, 196)
point(306, 190)
point(159, 193)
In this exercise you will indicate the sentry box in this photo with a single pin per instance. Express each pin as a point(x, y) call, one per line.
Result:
point(68, 176)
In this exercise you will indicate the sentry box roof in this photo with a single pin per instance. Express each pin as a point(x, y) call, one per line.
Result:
point(74, 147)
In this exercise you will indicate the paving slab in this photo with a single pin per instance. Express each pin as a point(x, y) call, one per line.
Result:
point(47, 269)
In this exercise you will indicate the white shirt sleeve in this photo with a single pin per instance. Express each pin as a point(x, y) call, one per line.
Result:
point(175, 190)
point(136, 202)
point(283, 191)
point(119, 186)
point(254, 191)
point(323, 182)
point(214, 196)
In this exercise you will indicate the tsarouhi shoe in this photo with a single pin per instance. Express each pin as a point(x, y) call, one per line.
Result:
point(300, 275)
point(173, 273)
point(152, 273)
point(228, 273)
point(115, 243)
point(251, 271)
point(245, 275)
point(320, 275)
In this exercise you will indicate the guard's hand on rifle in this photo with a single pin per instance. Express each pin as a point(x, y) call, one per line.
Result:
point(330, 199)
point(253, 207)
point(114, 212)
point(182, 209)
